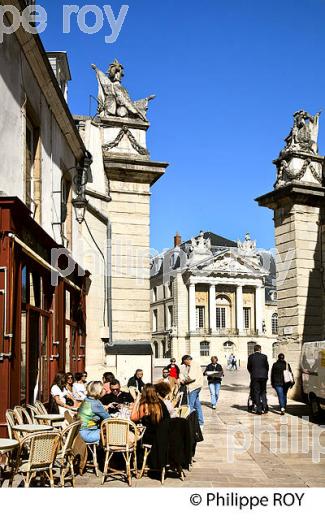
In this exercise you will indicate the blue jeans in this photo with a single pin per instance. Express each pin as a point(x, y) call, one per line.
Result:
point(195, 404)
point(90, 435)
point(282, 395)
point(214, 392)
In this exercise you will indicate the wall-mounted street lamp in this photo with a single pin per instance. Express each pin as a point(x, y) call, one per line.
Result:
point(80, 202)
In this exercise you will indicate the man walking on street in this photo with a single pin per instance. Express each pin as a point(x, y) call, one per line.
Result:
point(215, 374)
point(192, 376)
point(258, 367)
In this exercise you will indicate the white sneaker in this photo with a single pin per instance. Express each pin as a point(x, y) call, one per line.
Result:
point(202, 427)
point(214, 407)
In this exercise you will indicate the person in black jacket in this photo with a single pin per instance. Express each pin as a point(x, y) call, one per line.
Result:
point(214, 371)
point(258, 367)
point(278, 383)
point(136, 380)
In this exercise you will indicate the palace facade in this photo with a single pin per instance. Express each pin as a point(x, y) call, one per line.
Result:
point(213, 296)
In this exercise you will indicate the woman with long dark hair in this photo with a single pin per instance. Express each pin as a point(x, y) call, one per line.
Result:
point(59, 395)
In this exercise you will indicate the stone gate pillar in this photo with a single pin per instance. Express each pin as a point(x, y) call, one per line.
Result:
point(298, 204)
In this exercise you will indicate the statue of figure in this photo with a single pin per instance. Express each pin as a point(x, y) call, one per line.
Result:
point(114, 99)
point(248, 246)
point(304, 134)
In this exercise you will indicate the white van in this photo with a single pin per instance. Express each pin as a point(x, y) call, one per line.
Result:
point(313, 374)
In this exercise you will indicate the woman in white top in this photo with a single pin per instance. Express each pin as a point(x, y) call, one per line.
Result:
point(163, 390)
point(59, 393)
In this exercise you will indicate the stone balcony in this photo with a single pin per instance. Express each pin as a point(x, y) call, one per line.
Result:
point(223, 332)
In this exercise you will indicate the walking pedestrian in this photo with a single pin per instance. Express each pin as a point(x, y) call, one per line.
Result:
point(214, 372)
point(258, 367)
point(234, 362)
point(191, 375)
point(281, 381)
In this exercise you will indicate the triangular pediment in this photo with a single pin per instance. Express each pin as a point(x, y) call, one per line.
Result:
point(230, 263)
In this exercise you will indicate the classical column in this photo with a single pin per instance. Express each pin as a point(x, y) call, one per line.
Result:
point(239, 308)
point(259, 308)
point(191, 307)
point(212, 307)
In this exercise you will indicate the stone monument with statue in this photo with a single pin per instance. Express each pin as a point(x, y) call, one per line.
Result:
point(123, 174)
point(298, 202)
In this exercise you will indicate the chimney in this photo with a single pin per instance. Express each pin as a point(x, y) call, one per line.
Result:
point(177, 239)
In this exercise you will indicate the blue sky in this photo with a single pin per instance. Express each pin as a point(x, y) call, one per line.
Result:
point(228, 75)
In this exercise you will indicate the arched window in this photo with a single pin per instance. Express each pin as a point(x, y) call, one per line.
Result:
point(204, 348)
point(274, 323)
point(163, 348)
point(223, 312)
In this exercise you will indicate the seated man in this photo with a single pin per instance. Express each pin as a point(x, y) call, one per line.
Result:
point(116, 398)
point(166, 378)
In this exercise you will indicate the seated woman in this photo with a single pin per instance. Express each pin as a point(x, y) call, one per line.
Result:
point(108, 377)
point(59, 395)
point(164, 391)
point(92, 412)
point(151, 411)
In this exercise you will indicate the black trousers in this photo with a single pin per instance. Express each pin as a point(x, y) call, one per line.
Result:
point(258, 391)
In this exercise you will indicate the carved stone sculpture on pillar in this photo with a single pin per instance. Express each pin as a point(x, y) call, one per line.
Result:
point(299, 160)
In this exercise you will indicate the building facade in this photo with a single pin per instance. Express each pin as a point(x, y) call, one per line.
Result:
point(213, 296)
point(42, 303)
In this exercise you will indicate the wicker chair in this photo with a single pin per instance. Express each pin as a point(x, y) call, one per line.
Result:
point(11, 420)
point(40, 407)
point(184, 411)
point(32, 412)
point(22, 415)
point(42, 451)
point(64, 458)
point(119, 436)
point(178, 400)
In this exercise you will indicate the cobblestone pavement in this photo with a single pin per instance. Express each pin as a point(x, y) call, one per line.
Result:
point(258, 466)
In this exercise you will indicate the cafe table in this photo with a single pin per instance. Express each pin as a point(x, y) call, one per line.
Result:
point(50, 417)
point(7, 446)
point(32, 428)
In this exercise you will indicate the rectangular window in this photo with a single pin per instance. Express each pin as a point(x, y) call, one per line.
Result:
point(155, 320)
point(66, 213)
point(32, 170)
point(220, 317)
point(247, 317)
point(170, 317)
point(204, 348)
point(200, 317)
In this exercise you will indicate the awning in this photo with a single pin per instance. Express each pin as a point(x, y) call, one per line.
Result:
point(131, 348)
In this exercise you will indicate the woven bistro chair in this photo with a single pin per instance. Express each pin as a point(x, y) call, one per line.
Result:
point(32, 412)
point(11, 419)
point(178, 400)
point(22, 415)
point(64, 458)
point(184, 411)
point(42, 451)
point(119, 436)
point(40, 407)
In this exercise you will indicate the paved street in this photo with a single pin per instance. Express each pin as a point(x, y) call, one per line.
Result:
point(257, 466)
point(251, 468)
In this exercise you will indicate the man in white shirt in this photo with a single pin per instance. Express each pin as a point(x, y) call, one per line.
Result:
point(192, 376)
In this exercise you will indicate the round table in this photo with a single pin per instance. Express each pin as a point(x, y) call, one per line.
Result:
point(7, 446)
point(32, 428)
point(52, 417)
